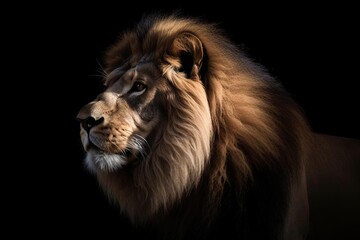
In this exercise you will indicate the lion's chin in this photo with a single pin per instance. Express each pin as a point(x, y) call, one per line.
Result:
point(97, 160)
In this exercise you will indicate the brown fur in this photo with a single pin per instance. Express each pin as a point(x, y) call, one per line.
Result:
point(227, 144)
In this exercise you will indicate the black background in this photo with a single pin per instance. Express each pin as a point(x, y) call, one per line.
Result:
point(56, 51)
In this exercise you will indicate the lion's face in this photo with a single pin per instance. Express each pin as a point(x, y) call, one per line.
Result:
point(116, 125)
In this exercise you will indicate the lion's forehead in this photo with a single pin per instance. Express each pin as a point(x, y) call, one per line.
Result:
point(122, 78)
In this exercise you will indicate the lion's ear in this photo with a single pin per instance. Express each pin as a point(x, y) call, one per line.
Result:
point(188, 50)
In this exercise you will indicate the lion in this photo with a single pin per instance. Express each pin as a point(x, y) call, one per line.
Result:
point(194, 140)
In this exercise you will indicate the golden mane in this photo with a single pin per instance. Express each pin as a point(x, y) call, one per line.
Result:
point(232, 139)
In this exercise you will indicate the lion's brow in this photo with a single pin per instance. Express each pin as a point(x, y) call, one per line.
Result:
point(114, 74)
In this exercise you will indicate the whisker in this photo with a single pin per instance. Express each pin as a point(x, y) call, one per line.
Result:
point(102, 70)
point(101, 75)
point(139, 143)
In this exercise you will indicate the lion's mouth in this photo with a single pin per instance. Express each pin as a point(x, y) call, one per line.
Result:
point(99, 158)
point(93, 146)
point(127, 153)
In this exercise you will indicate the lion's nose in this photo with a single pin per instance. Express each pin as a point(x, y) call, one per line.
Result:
point(90, 122)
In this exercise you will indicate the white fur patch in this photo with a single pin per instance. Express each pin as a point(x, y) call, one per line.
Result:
point(96, 160)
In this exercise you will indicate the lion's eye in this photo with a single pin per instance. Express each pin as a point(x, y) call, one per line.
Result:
point(138, 88)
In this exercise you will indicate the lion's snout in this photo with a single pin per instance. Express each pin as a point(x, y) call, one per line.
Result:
point(90, 122)
point(89, 117)
point(94, 113)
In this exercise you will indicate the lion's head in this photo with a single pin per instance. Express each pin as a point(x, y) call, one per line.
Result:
point(184, 115)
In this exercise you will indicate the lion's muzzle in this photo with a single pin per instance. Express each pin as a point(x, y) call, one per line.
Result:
point(90, 122)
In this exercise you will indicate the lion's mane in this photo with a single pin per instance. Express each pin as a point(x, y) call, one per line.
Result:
point(225, 157)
